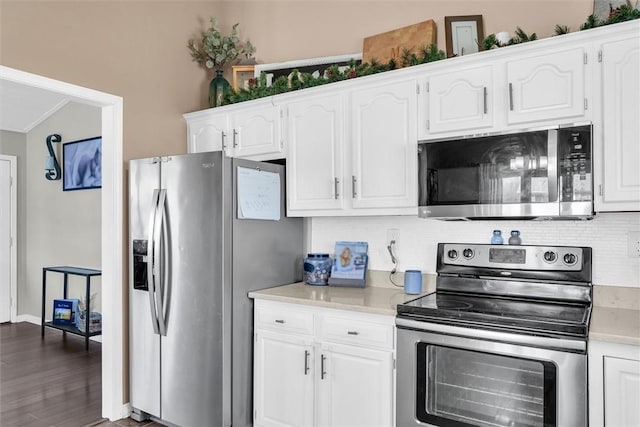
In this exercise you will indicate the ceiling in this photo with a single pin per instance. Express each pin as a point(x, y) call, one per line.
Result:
point(23, 107)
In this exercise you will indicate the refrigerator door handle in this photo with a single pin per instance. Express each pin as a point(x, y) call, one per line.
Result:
point(163, 258)
point(151, 261)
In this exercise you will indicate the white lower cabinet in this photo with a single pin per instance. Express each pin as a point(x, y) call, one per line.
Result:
point(339, 372)
point(355, 387)
point(283, 383)
point(614, 385)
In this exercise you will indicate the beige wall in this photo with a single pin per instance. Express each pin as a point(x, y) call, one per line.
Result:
point(62, 227)
point(137, 49)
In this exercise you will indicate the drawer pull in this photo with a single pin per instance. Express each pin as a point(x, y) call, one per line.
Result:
point(279, 321)
point(353, 333)
point(306, 362)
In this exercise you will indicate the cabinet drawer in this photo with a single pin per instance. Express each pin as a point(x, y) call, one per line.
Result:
point(284, 319)
point(355, 331)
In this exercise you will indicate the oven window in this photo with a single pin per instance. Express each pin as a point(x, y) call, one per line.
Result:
point(468, 388)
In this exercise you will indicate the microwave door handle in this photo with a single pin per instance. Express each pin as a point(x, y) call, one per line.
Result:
point(552, 164)
point(151, 260)
point(164, 264)
point(354, 185)
point(511, 96)
point(484, 99)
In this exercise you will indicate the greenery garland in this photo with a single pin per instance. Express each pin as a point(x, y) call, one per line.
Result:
point(296, 80)
point(258, 87)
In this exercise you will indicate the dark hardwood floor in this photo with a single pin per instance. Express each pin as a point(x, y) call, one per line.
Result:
point(50, 382)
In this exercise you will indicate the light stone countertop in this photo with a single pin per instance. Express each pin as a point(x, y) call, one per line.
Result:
point(370, 299)
point(615, 316)
point(617, 325)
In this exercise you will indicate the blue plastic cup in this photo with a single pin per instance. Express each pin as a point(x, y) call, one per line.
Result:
point(413, 282)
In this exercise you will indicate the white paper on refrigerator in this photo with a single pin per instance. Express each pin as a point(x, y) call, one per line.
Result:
point(258, 194)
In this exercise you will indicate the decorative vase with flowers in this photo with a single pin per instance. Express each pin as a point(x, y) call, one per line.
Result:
point(215, 51)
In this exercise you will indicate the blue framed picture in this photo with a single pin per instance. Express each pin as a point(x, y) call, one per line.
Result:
point(82, 164)
point(350, 264)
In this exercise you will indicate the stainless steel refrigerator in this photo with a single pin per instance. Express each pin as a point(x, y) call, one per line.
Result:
point(204, 231)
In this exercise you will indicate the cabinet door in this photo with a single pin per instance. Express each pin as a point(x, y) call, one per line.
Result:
point(620, 149)
point(621, 392)
point(355, 386)
point(315, 156)
point(257, 132)
point(283, 380)
point(208, 134)
point(460, 101)
point(546, 87)
point(384, 138)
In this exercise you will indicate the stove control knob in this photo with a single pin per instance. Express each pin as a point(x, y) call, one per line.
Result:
point(570, 259)
point(550, 256)
point(452, 254)
point(467, 253)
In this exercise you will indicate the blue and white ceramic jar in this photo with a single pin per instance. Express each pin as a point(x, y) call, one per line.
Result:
point(317, 269)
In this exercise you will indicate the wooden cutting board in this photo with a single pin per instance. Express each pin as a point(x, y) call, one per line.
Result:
point(385, 46)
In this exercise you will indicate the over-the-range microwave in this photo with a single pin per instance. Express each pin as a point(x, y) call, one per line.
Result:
point(534, 174)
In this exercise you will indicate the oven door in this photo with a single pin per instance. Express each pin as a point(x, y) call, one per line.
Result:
point(446, 379)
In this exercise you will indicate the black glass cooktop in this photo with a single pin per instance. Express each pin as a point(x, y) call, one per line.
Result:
point(529, 316)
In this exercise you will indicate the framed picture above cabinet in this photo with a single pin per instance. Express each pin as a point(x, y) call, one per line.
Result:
point(464, 34)
point(241, 76)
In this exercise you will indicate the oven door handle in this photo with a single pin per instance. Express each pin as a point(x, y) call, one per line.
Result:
point(527, 340)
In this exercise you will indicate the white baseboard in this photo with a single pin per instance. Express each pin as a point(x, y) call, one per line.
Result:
point(126, 411)
point(36, 321)
point(28, 318)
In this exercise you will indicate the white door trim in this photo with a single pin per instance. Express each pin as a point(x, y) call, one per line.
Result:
point(13, 252)
point(113, 281)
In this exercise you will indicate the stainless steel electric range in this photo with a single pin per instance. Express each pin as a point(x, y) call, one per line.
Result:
point(502, 341)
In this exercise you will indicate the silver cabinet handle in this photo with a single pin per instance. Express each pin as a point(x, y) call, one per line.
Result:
point(353, 186)
point(306, 362)
point(323, 373)
point(510, 96)
point(353, 333)
point(235, 139)
point(336, 182)
point(280, 321)
point(484, 100)
point(224, 135)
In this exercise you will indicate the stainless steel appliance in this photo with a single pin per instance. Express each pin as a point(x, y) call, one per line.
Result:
point(502, 341)
point(194, 256)
point(543, 174)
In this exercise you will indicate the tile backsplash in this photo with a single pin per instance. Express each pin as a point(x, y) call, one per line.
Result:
point(607, 234)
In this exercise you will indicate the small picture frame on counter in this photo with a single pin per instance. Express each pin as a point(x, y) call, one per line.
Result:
point(350, 264)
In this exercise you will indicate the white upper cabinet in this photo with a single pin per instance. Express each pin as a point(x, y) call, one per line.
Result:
point(316, 151)
point(208, 133)
point(247, 130)
point(460, 101)
point(547, 86)
point(616, 142)
point(354, 152)
point(257, 132)
point(384, 143)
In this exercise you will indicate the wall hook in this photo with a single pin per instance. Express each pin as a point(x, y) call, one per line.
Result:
point(52, 167)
